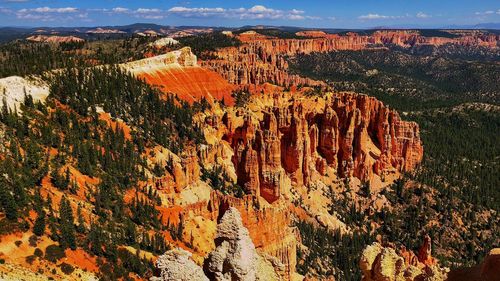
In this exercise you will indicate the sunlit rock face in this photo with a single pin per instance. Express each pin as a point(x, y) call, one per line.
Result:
point(297, 139)
point(178, 73)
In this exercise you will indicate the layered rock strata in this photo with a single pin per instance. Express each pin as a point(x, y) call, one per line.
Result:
point(178, 73)
point(262, 59)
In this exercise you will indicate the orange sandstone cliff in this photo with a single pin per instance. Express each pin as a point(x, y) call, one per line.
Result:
point(262, 59)
point(177, 72)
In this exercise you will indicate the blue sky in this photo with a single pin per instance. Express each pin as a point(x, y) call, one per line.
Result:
point(310, 13)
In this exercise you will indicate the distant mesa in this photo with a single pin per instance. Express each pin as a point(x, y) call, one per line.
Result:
point(311, 33)
point(100, 30)
point(54, 39)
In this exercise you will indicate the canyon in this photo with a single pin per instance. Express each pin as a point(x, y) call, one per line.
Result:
point(276, 148)
point(281, 157)
point(263, 59)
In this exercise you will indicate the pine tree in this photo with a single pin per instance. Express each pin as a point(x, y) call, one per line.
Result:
point(7, 202)
point(39, 227)
point(81, 222)
point(67, 227)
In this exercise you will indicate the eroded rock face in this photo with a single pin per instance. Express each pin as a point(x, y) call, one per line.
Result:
point(235, 257)
point(379, 263)
point(177, 265)
point(301, 138)
point(13, 90)
point(262, 59)
point(178, 73)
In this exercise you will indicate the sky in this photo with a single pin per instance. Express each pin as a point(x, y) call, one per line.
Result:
point(235, 13)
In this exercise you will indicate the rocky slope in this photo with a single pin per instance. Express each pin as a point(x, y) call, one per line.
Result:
point(386, 263)
point(262, 59)
point(178, 72)
point(276, 149)
point(14, 89)
point(279, 158)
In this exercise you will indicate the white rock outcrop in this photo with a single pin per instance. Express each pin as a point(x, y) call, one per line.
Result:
point(163, 42)
point(175, 59)
point(177, 265)
point(235, 257)
point(14, 88)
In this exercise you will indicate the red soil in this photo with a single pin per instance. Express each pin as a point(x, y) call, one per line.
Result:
point(191, 84)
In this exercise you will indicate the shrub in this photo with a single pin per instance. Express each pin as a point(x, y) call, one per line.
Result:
point(54, 253)
point(33, 240)
point(30, 259)
point(38, 252)
point(67, 268)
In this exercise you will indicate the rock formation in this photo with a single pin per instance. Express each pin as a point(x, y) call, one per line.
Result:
point(300, 138)
point(235, 257)
point(178, 73)
point(262, 59)
point(13, 90)
point(177, 265)
point(488, 270)
point(164, 42)
point(379, 263)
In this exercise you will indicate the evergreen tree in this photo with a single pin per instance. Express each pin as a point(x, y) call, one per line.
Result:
point(81, 222)
point(39, 227)
point(67, 227)
point(7, 202)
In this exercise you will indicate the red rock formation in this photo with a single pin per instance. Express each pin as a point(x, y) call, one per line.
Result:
point(424, 253)
point(261, 59)
point(356, 135)
point(177, 72)
point(490, 268)
point(381, 263)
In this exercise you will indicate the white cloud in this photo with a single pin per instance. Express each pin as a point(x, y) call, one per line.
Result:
point(51, 10)
point(145, 13)
point(373, 17)
point(120, 10)
point(422, 15)
point(5, 10)
point(255, 12)
point(50, 14)
point(487, 13)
